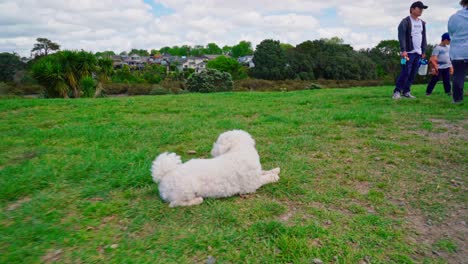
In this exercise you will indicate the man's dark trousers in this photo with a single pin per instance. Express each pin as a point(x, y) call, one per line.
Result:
point(408, 72)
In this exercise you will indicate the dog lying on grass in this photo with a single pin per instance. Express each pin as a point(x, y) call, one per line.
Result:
point(234, 169)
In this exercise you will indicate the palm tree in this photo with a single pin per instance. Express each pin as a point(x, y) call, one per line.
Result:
point(68, 60)
point(103, 72)
point(62, 72)
point(49, 73)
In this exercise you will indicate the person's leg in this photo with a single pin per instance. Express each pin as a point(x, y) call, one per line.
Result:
point(413, 66)
point(459, 72)
point(432, 83)
point(446, 79)
point(402, 79)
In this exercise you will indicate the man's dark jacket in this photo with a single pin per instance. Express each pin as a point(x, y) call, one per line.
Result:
point(404, 35)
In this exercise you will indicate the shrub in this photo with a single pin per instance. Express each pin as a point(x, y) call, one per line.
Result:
point(159, 90)
point(4, 88)
point(270, 85)
point(20, 89)
point(139, 89)
point(173, 85)
point(315, 86)
point(180, 91)
point(115, 88)
point(87, 86)
point(306, 76)
point(210, 80)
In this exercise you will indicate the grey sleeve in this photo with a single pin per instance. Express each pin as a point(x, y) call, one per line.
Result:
point(402, 28)
point(436, 51)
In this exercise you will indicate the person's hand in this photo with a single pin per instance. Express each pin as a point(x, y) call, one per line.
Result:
point(423, 56)
point(451, 70)
point(404, 54)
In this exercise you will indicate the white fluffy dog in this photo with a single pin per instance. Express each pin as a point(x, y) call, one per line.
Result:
point(234, 169)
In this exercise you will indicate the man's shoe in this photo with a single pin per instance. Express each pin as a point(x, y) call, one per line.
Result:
point(396, 95)
point(449, 94)
point(408, 95)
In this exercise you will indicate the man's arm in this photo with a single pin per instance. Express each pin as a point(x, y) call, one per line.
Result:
point(402, 28)
point(434, 63)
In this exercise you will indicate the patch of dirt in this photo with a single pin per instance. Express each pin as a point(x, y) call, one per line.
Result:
point(428, 233)
point(362, 188)
point(52, 256)
point(449, 130)
point(286, 216)
point(17, 204)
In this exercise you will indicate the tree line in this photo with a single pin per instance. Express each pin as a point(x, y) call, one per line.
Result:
point(81, 73)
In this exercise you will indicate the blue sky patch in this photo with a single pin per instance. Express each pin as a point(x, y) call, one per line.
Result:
point(328, 16)
point(158, 9)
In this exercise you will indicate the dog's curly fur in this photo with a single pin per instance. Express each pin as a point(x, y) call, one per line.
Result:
point(234, 169)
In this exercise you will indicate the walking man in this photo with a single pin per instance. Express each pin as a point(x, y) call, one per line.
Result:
point(413, 43)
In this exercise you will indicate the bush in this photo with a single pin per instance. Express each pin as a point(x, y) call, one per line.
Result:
point(87, 86)
point(173, 85)
point(20, 89)
point(4, 88)
point(159, 90)
point(306, 76)
point(139, 89)
point(315, 86)
point(270, 85)
point(209, 81)
point(115, 88)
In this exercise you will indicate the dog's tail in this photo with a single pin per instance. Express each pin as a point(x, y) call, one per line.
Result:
point(163, 164)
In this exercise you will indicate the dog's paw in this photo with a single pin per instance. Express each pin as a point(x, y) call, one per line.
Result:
point(276, 171)
point(194, 201)
point(275, 177)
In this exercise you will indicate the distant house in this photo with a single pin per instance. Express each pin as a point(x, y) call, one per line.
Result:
point(212, 57)
point(136, 61)
point(196, 63)
point(247, 61)
point(117, 61)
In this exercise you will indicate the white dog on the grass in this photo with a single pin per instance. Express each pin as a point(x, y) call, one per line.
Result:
point(234, 169)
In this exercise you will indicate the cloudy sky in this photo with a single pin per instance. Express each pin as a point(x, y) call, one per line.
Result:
point(121, 25)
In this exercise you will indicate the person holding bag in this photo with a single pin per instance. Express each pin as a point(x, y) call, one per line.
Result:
point(413, 43)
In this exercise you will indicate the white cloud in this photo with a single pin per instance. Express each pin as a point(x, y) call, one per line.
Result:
point(125, 24)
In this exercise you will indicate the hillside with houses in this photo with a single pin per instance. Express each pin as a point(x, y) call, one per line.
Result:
point(196, 63)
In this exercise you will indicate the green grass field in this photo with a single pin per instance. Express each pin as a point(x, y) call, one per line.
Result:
point(364, 179)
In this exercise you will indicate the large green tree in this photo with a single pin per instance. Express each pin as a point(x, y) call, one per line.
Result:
point(227, 50)
point(213, 49)
point(104, 54)
point(10, 64)
point(330, 59)
point(244, 48)
point(140, 52)
point(229, 65)
point(44, 46)
point(270, 61)
point(386, 56)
